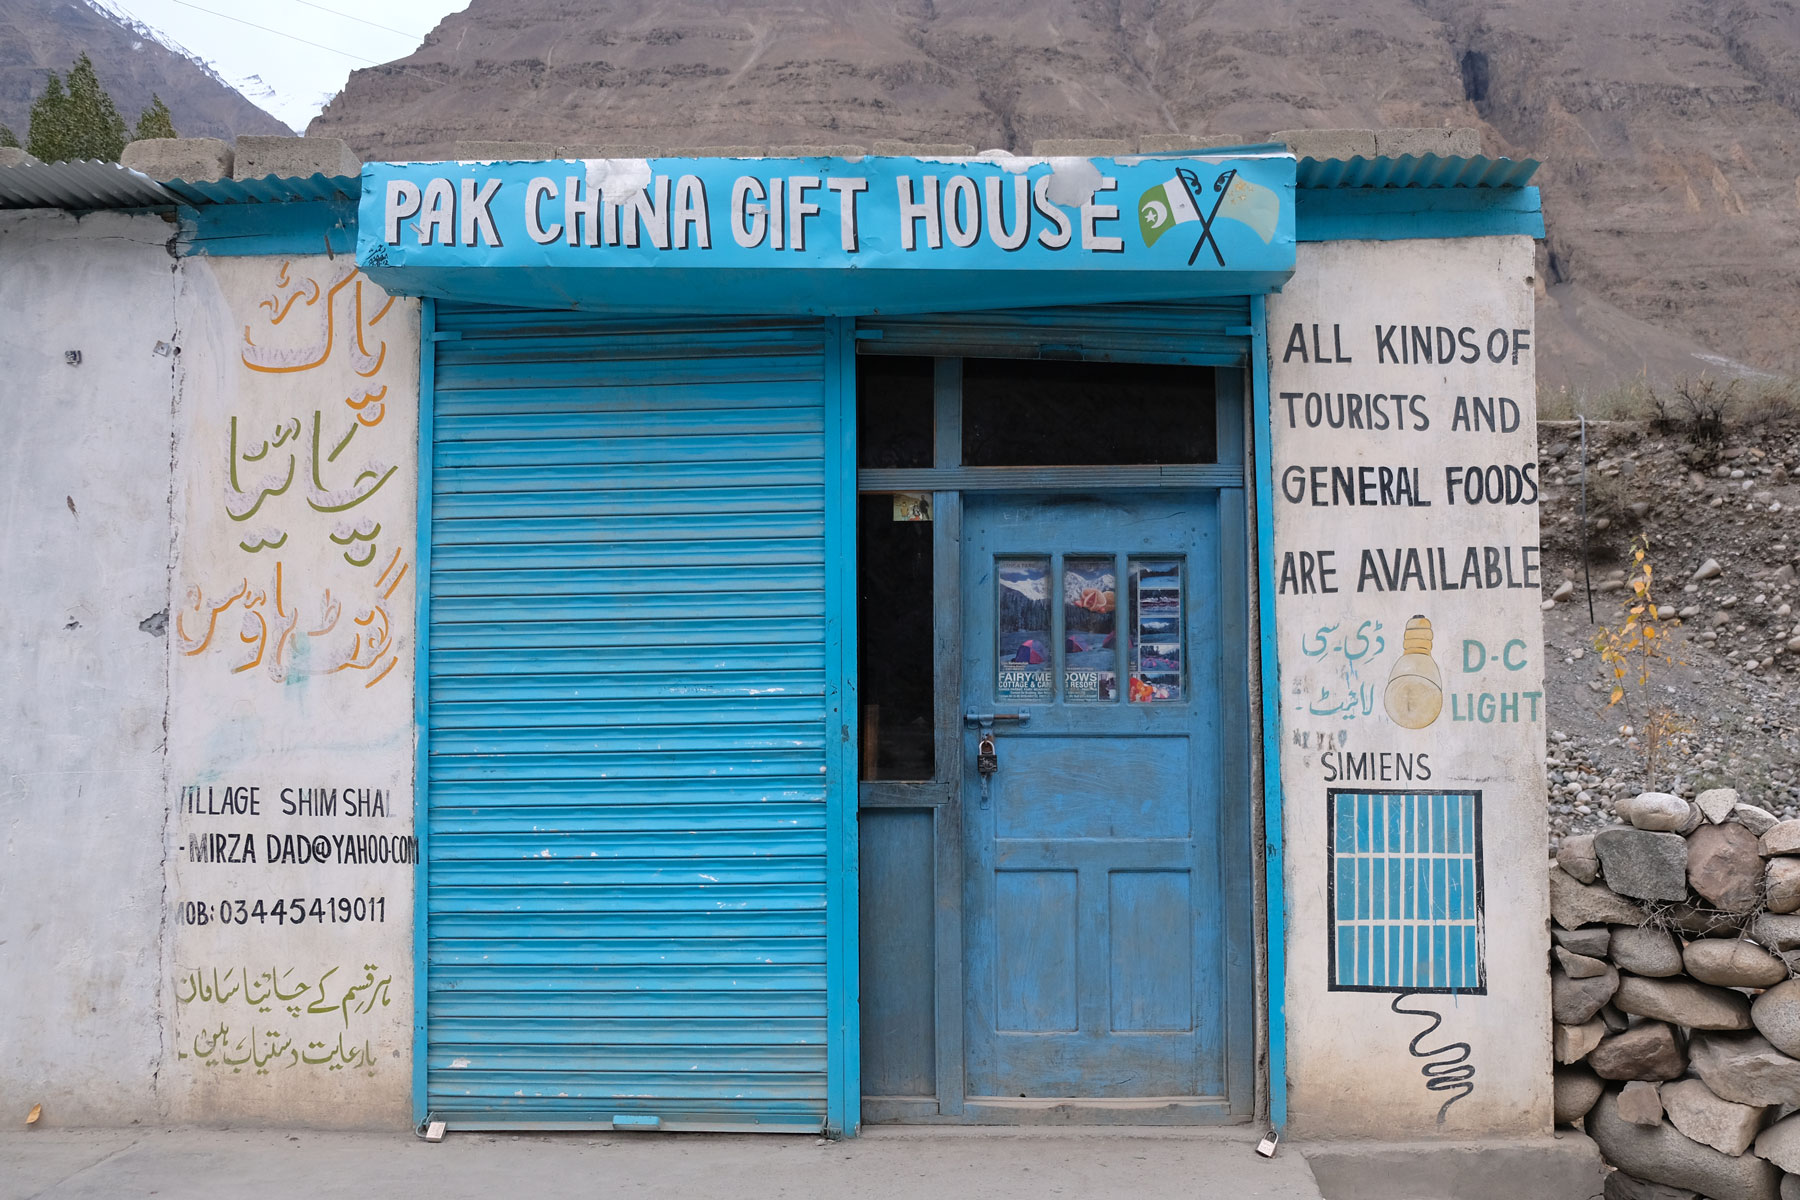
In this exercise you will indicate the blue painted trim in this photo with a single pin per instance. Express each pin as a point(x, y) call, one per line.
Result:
point(843, 1037)
point(234, 230)
point(1320, 215)
point(1274, 849)
point(422, 704)
point(1395, 214)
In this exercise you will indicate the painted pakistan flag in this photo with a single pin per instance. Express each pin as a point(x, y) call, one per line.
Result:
point(1179, 200)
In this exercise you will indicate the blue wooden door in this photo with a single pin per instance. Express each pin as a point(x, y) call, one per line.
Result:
point(1094, 903)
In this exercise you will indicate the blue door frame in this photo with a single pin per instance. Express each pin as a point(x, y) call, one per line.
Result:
point(898, 928)
point(843, 1064)
point(843, 1058)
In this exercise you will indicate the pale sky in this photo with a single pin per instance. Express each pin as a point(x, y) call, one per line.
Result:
point(290, 76)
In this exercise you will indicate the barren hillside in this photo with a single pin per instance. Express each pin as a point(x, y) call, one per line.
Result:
point(1670, 128)
point(1719, 513)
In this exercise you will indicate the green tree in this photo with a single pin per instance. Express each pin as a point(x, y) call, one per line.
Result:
point(155, 121)
point(47, 132)
point(79, 121)
point(9, 138)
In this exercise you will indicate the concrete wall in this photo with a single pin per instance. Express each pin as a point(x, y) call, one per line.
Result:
point(291, 696)
point(84, 553)
point(1410, 650)
point(206, 838)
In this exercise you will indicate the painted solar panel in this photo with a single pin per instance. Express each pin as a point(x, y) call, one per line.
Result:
point(1406, 892)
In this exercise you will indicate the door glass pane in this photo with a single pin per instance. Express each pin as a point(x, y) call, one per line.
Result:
point(895, 414)
point(1156, 623)
point(896, 679)
point(1090, 630)
point(1022, 590)
point(1027, 413)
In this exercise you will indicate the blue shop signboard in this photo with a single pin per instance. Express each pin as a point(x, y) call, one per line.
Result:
point(830, 235)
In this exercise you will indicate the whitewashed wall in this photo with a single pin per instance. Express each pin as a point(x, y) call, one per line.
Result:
point(164, 663)
point(291, 696)
point(84, 554)
point(1355, 392)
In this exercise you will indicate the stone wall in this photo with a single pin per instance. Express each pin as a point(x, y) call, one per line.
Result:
point(1677, 1037)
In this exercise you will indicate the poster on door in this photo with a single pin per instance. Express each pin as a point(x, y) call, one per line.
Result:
point(1090, 630)
point(1023, 672)
point(1155, 630)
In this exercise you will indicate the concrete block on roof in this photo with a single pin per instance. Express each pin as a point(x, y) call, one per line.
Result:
point(1445, 143)
point(195, 160)
point(923, 149)
point(1175, 143)
point(292, 157)
point(831, 151)
point(629, 150)
point(1328, 143)
point(12, 156)
point(718, 152)
point(1082, 147)
point(490, 151)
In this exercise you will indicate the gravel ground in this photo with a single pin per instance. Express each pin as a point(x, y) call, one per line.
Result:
point(1724, 543)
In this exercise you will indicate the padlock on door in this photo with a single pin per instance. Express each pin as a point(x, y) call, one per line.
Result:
point(986, 760)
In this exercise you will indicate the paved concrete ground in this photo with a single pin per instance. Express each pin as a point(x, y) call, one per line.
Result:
point(914, 1164)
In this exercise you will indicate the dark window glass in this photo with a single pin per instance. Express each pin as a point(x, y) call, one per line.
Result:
point(894, 642)
point(1029, 413)
point(894, 411)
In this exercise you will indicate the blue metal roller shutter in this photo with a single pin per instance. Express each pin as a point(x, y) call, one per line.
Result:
point(626, 874)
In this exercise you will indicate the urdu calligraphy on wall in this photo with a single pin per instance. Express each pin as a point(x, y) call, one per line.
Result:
point(280, 1019)
point(308, 474)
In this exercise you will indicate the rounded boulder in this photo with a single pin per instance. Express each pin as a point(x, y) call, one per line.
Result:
point(1776, 1014)
point(1729, 962)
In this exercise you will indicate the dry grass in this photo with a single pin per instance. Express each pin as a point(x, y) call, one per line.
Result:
point(1701, 406)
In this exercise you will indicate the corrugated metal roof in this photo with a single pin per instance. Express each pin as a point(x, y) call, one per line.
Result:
point(98, 185)
point(270, 189)
point(1424, 171)
point(86, 186)
point(82, 185)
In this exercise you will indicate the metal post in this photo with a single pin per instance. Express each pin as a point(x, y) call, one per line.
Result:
point(1586, 576)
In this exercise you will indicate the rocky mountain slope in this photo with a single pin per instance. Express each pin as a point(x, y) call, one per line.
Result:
point(37, 36)
point(1670, 133)
point(1670, 129)
point(1724, 543)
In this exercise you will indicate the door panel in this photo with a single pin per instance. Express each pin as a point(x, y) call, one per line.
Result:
point(1035, 959)
point(1060, 787)
point(898, 950)
point(1093, 899)
point(1151, 960)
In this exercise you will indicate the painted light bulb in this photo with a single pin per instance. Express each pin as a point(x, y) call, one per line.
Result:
point(1415, 690)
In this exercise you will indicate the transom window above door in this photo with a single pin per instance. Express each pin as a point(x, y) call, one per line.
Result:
point(1066, 414)
point(1014, 413)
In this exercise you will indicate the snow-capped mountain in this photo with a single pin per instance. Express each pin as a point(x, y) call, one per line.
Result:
point(132, 60)
point(253, 88)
